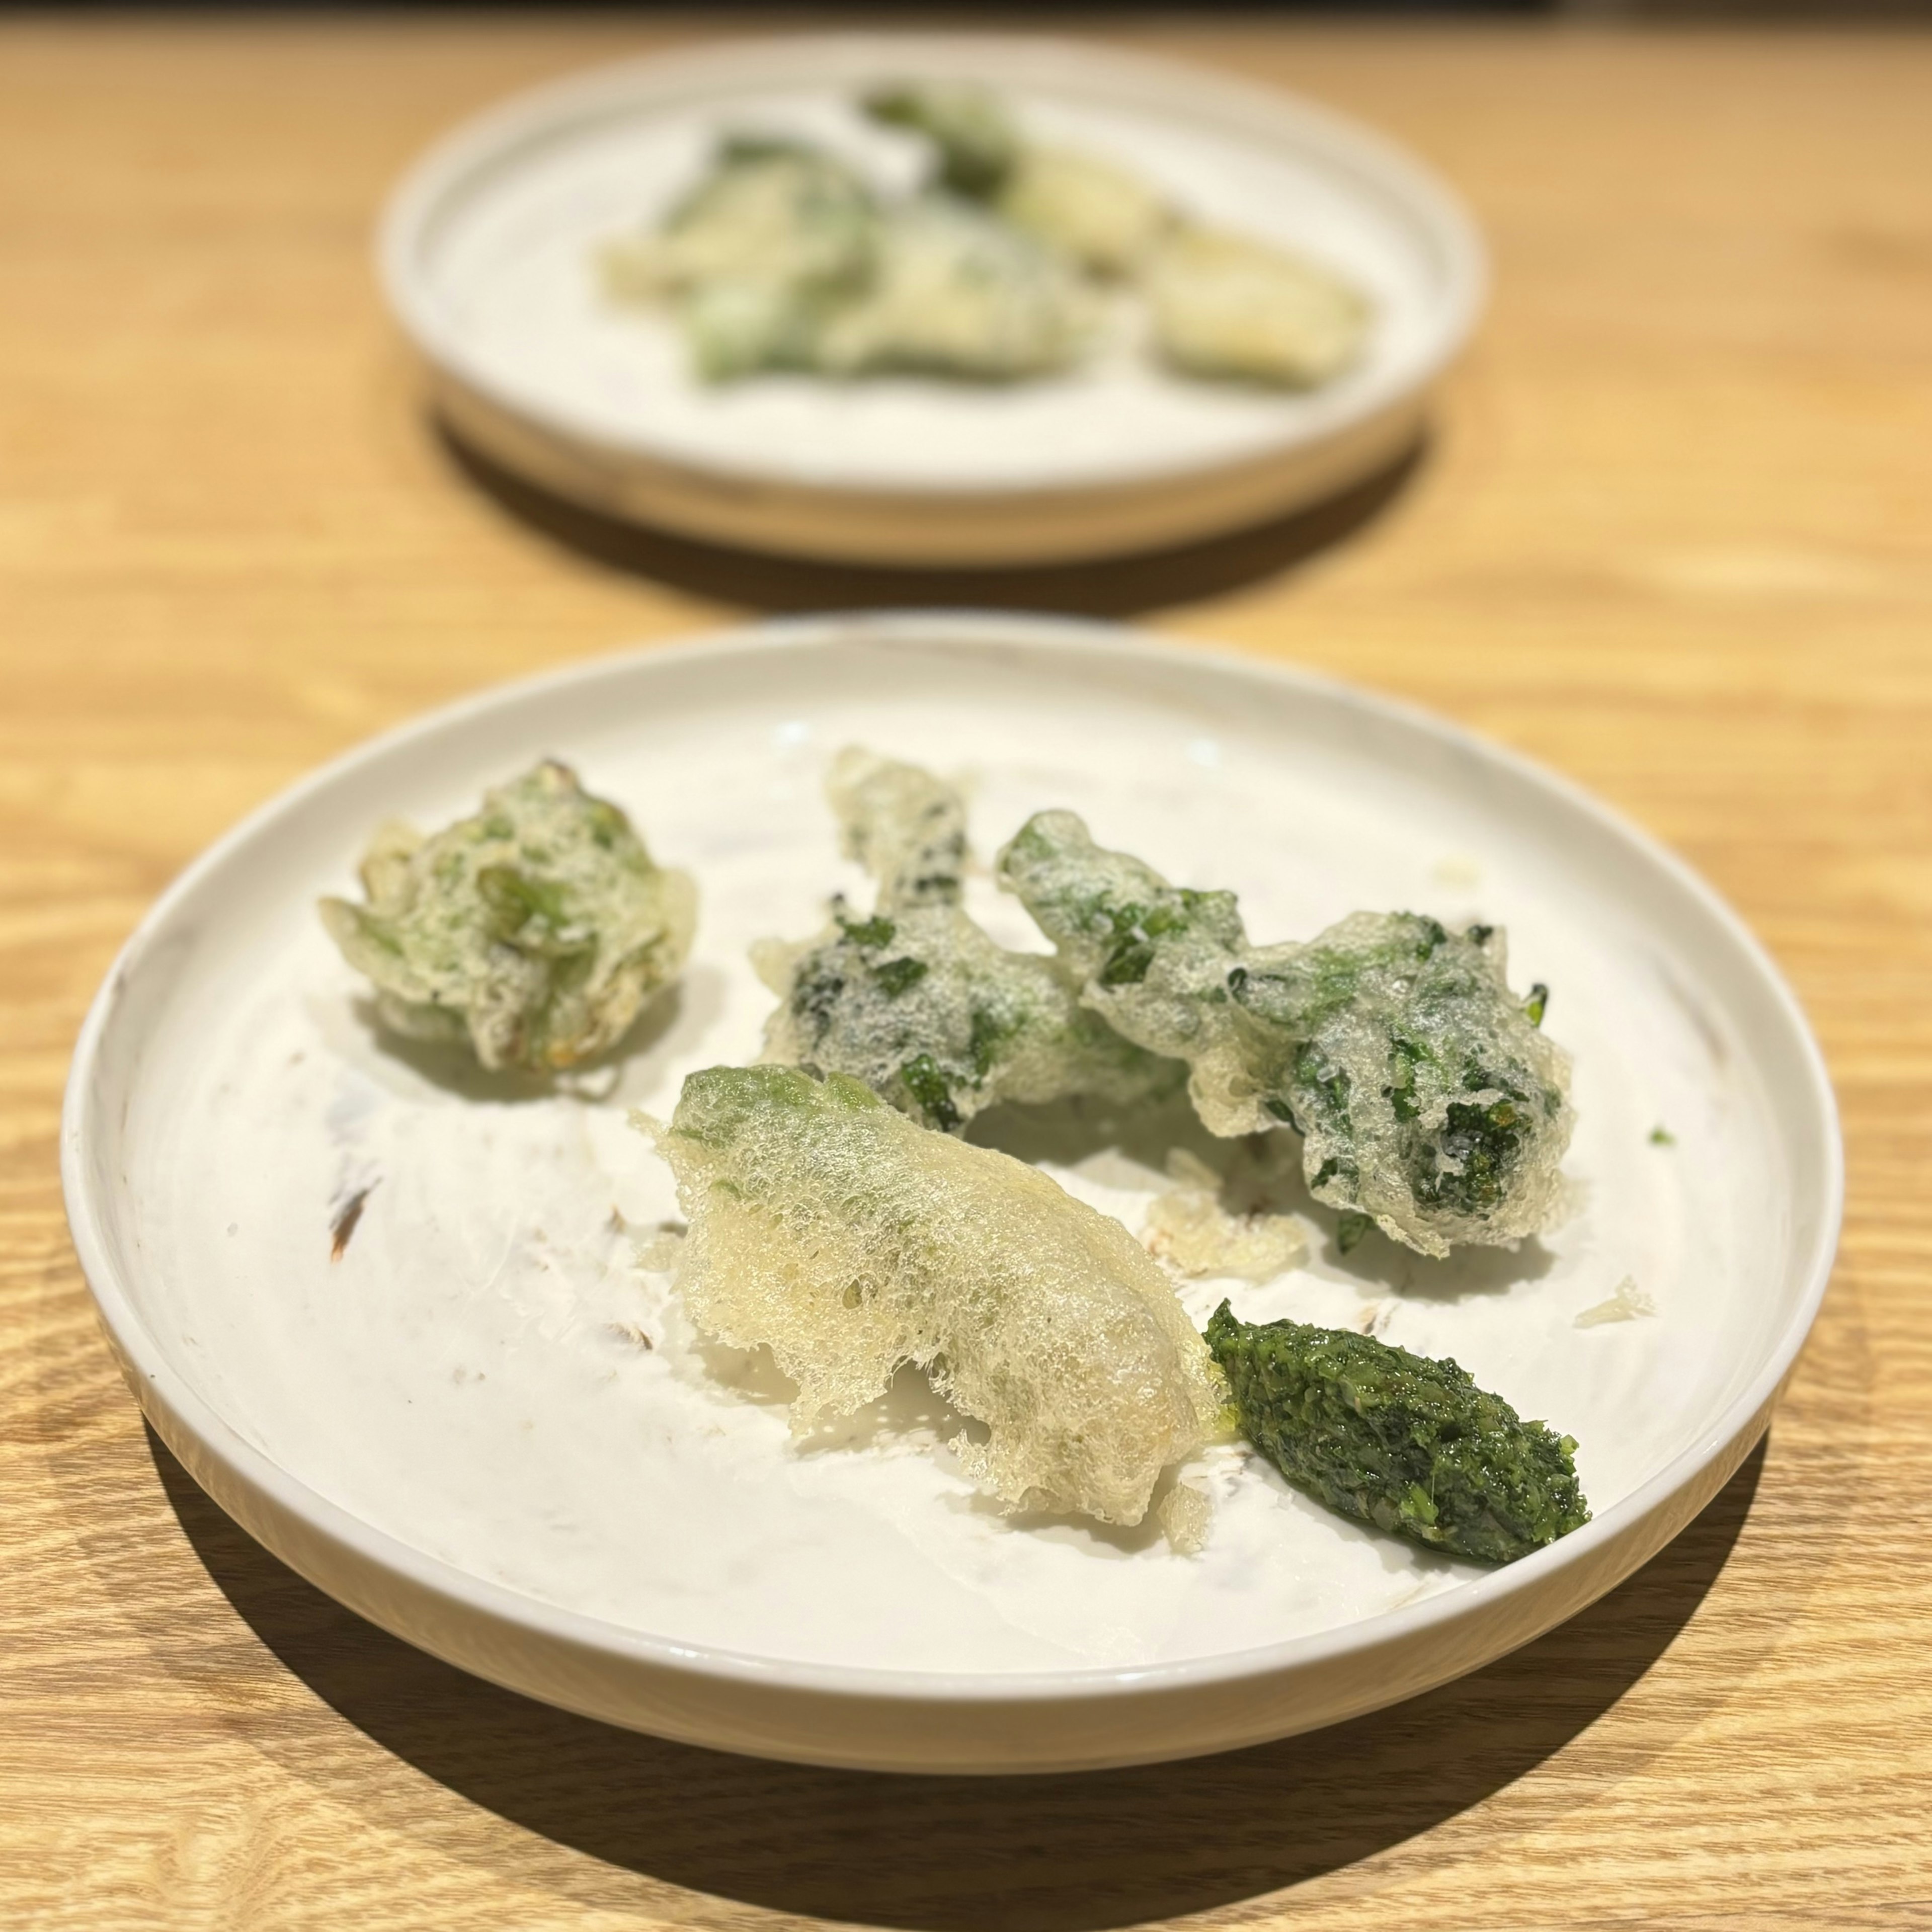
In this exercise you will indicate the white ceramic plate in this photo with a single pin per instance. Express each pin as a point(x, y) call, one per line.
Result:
point(456, 1428)
point(487, 256)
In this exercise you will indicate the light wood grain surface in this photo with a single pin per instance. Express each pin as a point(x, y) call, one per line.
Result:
point(1672, 534)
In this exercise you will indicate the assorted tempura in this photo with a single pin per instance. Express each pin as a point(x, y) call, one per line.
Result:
point(1014, 259)
point(839, 1218)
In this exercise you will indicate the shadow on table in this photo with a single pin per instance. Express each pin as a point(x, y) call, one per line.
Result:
point(1109, 587)
point(1060, 1854)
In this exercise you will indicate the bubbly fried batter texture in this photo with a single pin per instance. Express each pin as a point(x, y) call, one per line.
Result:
point(1404, 1442)
point(1098, 215)
point(1228, 306)
point(536, 930)
point(907, 827)
point(774, 237)
point(1426, 1096)
point(974, 140)
point(916, 1000)
point(1104, 218)
point(782, 258)
point(1196, 1232)
point(851, 1242)
point(997, 269)
point(955, 291)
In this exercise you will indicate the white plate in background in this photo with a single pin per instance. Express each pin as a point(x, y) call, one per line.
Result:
point(487, 256)
point(457, 1429)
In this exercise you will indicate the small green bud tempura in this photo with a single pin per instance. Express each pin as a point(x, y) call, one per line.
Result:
point(536, 931)
point(1410, 1445)
point(776, 236)
point(916, 999)
point(851, 1242)
point(905, 826)
point(974, 141)
point(1427, 1098)
point(1094, 213)
point(955, 291)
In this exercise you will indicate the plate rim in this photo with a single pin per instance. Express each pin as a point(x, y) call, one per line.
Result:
point(154, 1379)
point(439, 170)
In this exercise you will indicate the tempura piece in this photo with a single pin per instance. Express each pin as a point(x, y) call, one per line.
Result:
point(1409, 1445)
point(1225, 305)
point(1099, 214)
point(736, 329)
point(916, 1000)
point(972, 135)
point(1094, 212)
point(536, 931)
point(907, 827)
point(1426, 1096)
point(777, 234)
point(955, 292)
point(770, 210)
point(935, 1016)
point(851, 1242)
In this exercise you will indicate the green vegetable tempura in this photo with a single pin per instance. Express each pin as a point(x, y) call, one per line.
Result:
point(1099, 216)
point(916, 1000)
point(955, 292)
point(974, 138)
point(1228, 306)
point(781, 258)
point(851, 1242)
point(755, 257)
point(536, 931)
point(1425, 1097)
point(1409, 1445)
point(1004, 264)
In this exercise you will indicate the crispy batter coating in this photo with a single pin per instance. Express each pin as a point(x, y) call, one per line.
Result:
point(974, 140)
point(1426, 1096)
point(1099, 214)
point(782, 258)
point(956, 292)
point(916, 1000)
point(536, 930)
point(1102, 216)
point(907, 827)
point(1226, 305)
point(772, 237)
point(1197, 1232)
point(851, 1242)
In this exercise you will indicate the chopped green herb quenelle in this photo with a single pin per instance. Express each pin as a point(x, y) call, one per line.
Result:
point(536, 931)
point(916, 999)
point(1427, 1098)
point(1409, 1445)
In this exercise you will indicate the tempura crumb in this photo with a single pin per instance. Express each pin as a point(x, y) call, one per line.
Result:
point(1628, 1303)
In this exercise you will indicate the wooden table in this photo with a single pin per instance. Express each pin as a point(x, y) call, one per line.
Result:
point(1672, 534)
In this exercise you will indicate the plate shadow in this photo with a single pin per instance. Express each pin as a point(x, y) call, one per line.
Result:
point(1113, 587)
point(946, 1854)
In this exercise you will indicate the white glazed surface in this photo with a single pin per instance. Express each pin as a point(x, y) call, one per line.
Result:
point(469, 1378)
point(489, 253)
